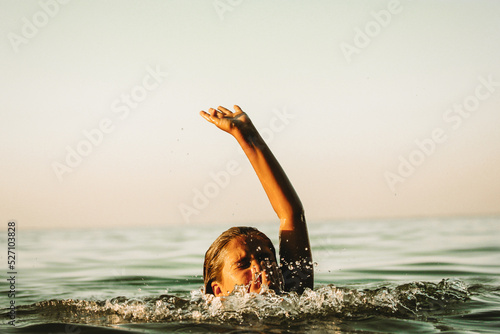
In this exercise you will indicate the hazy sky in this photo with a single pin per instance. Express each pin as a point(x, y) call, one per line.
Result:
point(374, 109)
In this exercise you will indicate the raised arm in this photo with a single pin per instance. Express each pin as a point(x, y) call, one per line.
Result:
point(295, 251)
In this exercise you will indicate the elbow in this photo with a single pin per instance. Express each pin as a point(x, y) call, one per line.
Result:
point(292, 218)
point(299, 214)
point(296, 212)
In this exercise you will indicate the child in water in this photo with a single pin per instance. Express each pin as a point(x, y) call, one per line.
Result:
point(244, 256)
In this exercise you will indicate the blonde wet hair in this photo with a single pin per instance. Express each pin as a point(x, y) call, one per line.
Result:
point(216, 253)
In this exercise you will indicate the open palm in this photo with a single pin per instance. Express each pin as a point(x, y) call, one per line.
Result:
point(227, 120)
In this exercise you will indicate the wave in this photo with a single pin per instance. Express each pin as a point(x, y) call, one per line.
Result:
point(416, 300)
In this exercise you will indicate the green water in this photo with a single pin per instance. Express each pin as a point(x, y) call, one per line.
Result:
point(420, 275)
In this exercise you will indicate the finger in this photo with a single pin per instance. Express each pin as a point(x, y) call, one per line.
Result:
point(214, 113)
point(278, 277)
point(226, 112)
point(206, 116)
point(212, 117)
point(237, 109)
point(270, 269)
point(218, 113)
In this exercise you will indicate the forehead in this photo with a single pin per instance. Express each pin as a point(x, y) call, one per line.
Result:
point(243, 245)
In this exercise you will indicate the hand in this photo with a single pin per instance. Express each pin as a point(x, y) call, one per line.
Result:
point(224, 119)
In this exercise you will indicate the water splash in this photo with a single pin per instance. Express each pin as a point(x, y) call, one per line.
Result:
point(408, 301)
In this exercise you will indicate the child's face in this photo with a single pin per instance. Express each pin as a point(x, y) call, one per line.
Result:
point(249, 261)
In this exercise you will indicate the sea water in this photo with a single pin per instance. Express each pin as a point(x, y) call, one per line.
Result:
point(380, 276)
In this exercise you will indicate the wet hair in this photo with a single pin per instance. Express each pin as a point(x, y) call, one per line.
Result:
point(215, 255)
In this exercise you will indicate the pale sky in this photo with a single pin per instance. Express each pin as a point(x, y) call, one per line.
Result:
point(375, 109)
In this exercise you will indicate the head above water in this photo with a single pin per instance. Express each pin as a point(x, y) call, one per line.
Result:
point(240, 256)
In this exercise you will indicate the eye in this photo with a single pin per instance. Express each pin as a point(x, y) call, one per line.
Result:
point(243, 264)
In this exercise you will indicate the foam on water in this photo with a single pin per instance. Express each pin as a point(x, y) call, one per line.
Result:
point(415, 300)
point(71, 281)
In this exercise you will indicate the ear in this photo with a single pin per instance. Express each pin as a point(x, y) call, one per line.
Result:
point(217, 289)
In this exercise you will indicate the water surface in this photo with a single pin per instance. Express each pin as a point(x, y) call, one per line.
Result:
point(420, 275)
